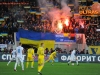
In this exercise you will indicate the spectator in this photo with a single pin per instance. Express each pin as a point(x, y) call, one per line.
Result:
point(87, 52)
point(46, 51)
point(65, 51)
point(83, 51)
point(77, 52)
point(51, 50)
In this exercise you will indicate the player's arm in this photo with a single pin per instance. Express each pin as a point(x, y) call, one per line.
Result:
point(55, 55)
point(11, 53)
point(33, 53)
point(23, 51)
point(42, 52)
point(16, 52)
point(27, 52)
point(38, 51)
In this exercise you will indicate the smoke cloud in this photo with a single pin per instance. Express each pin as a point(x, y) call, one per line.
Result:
point(54, 13)
point(76, 6)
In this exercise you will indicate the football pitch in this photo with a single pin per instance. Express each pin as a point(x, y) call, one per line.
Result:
point(56, 69)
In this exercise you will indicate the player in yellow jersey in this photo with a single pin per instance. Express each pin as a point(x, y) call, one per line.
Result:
point(51, 57)
point(30, 57)
point(41, 55)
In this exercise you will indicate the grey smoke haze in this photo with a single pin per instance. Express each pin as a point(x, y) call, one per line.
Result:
point(65, 9)
point(54, 14)
point(42, 3)
point(76, 6)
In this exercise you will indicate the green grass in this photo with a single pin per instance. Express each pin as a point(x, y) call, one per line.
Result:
point(56, 69)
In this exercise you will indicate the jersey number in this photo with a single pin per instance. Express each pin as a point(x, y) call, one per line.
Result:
point(18, 50)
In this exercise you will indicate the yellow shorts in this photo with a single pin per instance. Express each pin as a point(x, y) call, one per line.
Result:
point(30, 59)
point(51, 58)
point(40, 59)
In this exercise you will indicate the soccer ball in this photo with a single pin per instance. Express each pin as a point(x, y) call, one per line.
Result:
point(72, 63)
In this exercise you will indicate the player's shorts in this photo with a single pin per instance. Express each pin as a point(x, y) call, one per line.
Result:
point(19, 58)
point(51, 58)
point(73, 58)
point(40, 59)
point(30, 59)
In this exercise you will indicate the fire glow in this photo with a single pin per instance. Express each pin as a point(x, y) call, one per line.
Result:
point(60, 26)
point(67, 22)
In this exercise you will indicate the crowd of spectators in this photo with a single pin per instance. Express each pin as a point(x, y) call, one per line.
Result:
point(5, 50)
point(8, 39)
point(6, 43)
point(65, 51)
point(14, 17)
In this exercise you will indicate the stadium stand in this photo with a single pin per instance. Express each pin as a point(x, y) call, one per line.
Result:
point(14, 17)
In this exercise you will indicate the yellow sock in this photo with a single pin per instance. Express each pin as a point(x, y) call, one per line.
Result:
point(40, 68)
point(32, 64)
point(27, 64)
